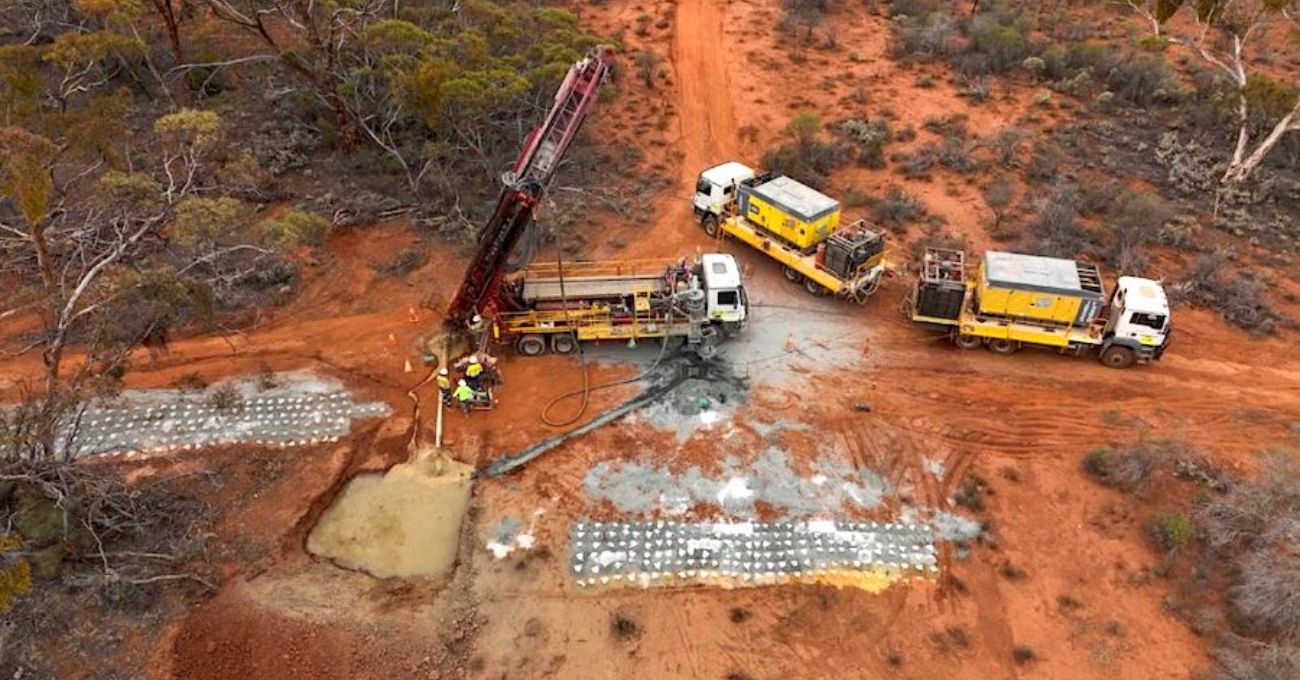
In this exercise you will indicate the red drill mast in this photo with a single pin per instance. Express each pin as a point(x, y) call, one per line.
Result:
point(480, 290)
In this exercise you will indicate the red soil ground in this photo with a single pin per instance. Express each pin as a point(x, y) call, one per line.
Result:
point(1023, 423)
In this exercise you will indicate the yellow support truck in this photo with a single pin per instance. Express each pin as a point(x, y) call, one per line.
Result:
point(555, 307)
point(1014, 300)
point(793, 224)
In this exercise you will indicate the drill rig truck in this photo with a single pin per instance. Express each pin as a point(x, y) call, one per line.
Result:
point(794, 225)
point(561, 305)
point(1012, 300)
point(557, 306)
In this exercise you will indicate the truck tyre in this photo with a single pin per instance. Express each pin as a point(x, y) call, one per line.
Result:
point(563, 343)
point(530, 345)
point(671, 342)
point(710, 223)
point(791, 275)
point(814, 288)
point(1116, 356)
point(1003, 346)
point(707, 350)
point(966, 341)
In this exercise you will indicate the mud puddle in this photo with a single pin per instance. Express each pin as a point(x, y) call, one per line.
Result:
point(402, 523)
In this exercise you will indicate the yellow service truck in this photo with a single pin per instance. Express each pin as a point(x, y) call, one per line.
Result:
point(794, 225)
point(1012, 300)
point(554, 306)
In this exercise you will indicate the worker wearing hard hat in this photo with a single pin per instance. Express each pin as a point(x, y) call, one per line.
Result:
point(476, 328)
point(464, 395)
point(444, 386)
point(474, 372)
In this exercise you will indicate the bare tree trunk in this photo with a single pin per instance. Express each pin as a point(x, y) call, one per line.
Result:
point(1240, 170)
point(43, 257)
point(342, 118)
point(168, 14)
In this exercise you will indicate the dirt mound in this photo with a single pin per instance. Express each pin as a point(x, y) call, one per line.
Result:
point(228, 638)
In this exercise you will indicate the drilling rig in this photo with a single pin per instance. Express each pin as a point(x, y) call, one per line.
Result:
point(481, 289)
point(555, 307)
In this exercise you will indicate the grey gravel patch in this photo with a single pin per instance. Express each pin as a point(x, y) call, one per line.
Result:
point(505, 530)
point(636, 488)
point(696, 406)
point(746, 553)
point(950, 527)
point(301, 408)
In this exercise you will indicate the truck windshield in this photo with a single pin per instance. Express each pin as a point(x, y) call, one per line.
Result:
point(728, 298)
point(1155, 321)
point(703, 187)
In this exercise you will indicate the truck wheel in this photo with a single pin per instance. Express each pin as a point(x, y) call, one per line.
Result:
point(791, 275)
point(814, 288)
point(965, 341)
point(707, 350)
point(563, 343)
point(671, 342)
point(530, 345)
point(1116, 356)
point(1003, 346)
point(711, 225)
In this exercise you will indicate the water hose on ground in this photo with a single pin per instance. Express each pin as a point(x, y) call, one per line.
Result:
point(586, 388)
point(508, 464)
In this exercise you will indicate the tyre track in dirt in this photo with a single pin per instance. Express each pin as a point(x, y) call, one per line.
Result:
point(707, 120)
point(706, 123)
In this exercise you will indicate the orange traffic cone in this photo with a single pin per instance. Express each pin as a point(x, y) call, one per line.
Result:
point(412, 315)
point(789, 342)
point(407, 368)
point(392, 339)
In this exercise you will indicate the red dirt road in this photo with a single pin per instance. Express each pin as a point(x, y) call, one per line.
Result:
point(1090, 602)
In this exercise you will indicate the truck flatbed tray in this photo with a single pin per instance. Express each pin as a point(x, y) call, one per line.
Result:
point(580, 287)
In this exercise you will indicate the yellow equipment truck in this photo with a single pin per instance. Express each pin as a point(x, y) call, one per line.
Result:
point(1013, 300)
point(554, 307)
point(794, 225)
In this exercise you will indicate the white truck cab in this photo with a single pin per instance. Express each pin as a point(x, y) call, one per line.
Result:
point(1139, 317)
point(715, 189)
point(726, 300)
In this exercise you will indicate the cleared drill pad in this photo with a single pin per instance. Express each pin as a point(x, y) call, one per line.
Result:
point(290, 409)
point(742, 554)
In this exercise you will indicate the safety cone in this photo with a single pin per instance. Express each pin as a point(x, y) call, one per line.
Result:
point(789, 342)
point(631, 343)
point(407, 368)
point(412, 315)
point(392, 339)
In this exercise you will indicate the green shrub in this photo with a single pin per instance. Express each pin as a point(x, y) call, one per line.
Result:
point(1097, 463)
point(994, 46)
point(1143, 81)
point(807, 158)
point(294, 227)
point(1169, 531)
point(899, 208)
